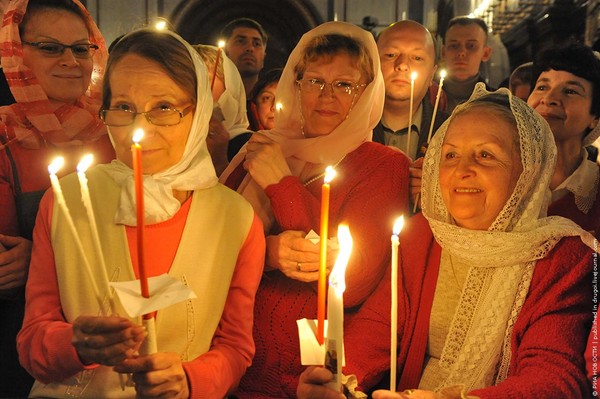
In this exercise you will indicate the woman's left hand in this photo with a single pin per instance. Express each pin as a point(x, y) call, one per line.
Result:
point(265, 161)
point(157, 375)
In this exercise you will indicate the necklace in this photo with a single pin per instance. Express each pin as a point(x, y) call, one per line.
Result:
point(306, 183)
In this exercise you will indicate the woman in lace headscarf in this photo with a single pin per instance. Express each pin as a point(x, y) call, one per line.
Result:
point(332, 94)
point(53, 56)
point(197, 231)
point(567, 95)
point(495, 297)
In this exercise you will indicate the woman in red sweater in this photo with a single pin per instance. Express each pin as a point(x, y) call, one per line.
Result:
point(495, 298)
point(331, 92)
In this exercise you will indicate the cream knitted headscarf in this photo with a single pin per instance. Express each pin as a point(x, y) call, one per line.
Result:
point(477, 349)
point(193, 171)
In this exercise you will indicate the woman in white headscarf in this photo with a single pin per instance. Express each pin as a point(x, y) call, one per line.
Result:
point(331, 92)
point(495, 297)
point(196, 231)
point(228, 129)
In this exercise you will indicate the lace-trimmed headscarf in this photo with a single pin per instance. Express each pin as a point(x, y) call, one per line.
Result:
point(356, 129)
point(502, 259)
point(33, 121)
point(194, 170)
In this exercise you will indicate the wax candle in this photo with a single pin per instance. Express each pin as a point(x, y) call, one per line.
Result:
point(220, 46)
point(413, 76)
point(82, 167)
point(322, 282)
point(53, 169)
point(394, 313)
point(437, 101)
point(335, 309)
point(138, 176)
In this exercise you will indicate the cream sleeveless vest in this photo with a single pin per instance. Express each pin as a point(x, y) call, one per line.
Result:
point(217, 225)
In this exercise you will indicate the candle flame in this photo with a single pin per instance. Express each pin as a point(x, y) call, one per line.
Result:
point(443, 73)
point(398, 225)
point(337, 279)
point(85, 163)
point(138, 135)
point(221, 43)
point(55, 166)
point(413, 76)
point(279, 106)
point(329, 174)
point(160, 24)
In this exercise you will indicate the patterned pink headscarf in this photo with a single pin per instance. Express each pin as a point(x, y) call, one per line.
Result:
point(32, 120)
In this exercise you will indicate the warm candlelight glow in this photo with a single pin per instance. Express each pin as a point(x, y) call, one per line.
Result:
point(329, 174)
point(85, 163)
point(221, 43)
point(55, 166)
point(138, 135)
point(413, 76)
point(443, 74)
point(398, 225)
point(160, 25)
point(337, 279)
point(279, 106)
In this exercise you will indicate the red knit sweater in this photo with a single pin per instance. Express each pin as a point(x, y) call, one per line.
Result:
point(370, 190)
point(548, 337)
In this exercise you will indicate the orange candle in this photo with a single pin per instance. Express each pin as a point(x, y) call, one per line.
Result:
point(136, 151)
point(322, 288)
point(212, 82)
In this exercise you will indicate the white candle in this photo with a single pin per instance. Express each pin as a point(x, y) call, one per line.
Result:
point(437, 101)
point(394, 313)
point(335, 309)
point(82, 167)
point(413, 76)
point(53, 168)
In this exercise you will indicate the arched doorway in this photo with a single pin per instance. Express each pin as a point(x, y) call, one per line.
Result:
point(201, 21)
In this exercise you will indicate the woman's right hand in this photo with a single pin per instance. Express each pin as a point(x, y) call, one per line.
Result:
point(106, 340)
point(297, 257)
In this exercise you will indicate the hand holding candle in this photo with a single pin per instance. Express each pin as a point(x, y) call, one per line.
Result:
point(394, 313)
point(413, 76)
point(335, 309)
point(322, 283)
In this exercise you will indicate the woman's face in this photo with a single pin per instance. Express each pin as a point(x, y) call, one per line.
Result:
point(64, 78)
point(565, 101)
point(479, 168)
point(265, 106)
point(140, 85)
point(324, 110)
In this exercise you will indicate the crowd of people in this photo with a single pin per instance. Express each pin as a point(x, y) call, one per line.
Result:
point(500, 189)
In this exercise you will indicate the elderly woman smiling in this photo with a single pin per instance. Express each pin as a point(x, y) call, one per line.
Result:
point(156, 81)
point(495, 296)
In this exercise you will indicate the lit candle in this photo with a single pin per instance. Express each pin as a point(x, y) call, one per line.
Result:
point(394, 315)
point(322, 283)
point(413, 76)
point(335, 309)
point(82, 167)
point(437, 101)
point(53, 168)
point(279, 106)
point(220, 46)
point(138, 177)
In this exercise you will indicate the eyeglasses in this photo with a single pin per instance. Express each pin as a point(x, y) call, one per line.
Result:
point(158, 116)
point(52, 49)
point(339, 87)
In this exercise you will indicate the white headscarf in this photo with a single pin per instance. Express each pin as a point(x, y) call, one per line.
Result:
point(477, 350)
point(298, 150)
point(233, 100)
point(193, 171)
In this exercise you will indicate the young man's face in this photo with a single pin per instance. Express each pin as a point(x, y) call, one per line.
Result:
point(464, 49)
point(247, 50)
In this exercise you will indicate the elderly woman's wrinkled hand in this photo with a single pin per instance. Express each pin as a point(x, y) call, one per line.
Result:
point(157, 375)
point(297, 257)
point(265, 161)
point(106, 340)
point(312, 384)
